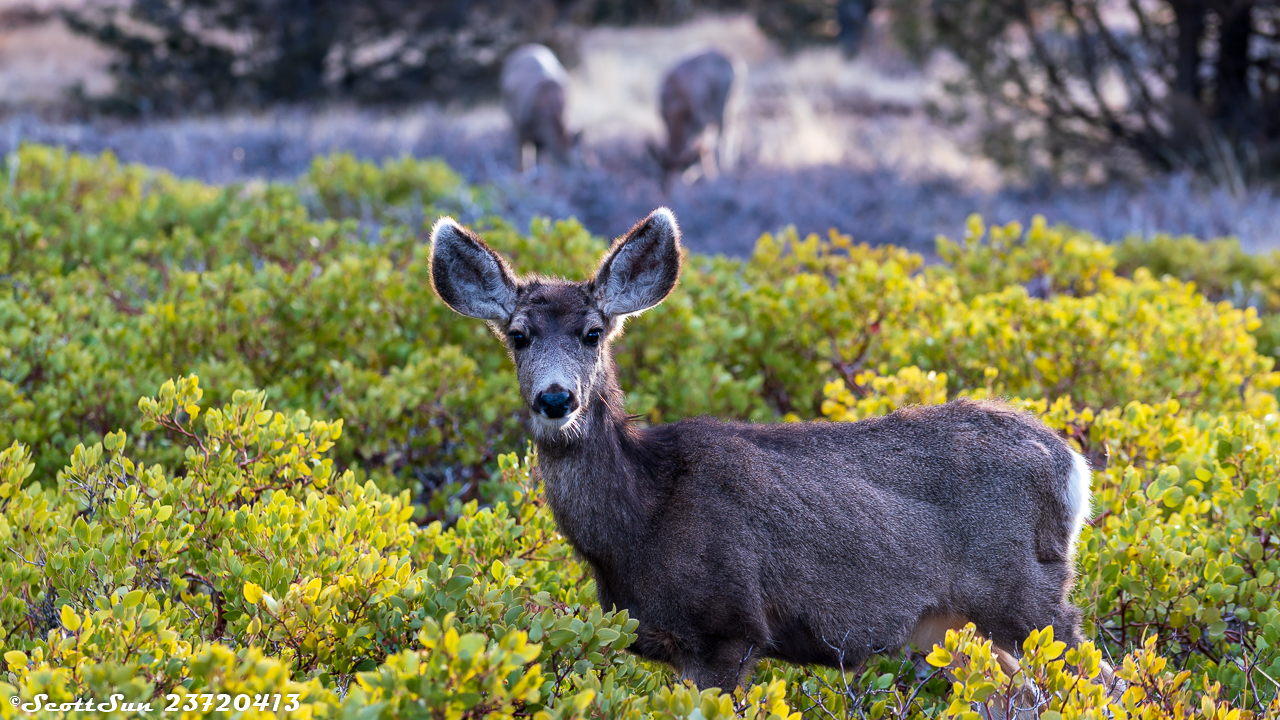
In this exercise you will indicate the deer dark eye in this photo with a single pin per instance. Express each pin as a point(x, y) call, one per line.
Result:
point(519, 339)
point(592, 337)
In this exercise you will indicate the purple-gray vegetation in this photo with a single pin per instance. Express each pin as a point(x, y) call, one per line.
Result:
point(619, 182)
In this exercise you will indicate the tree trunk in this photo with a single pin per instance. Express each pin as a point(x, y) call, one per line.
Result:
point(303, 32)
point(1231, 91)
point(1190, 18)
point(854, 16)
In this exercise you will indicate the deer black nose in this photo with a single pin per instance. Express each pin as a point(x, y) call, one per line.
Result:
point(557, 404)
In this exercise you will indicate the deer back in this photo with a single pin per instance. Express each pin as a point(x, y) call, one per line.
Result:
point(693, 95)
point(534, 86)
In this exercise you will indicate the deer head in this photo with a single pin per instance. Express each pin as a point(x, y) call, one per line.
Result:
point(558, 332)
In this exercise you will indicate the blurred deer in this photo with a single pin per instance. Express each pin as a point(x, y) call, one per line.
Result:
point(534, 85)
point(817, 542)
point(693, 98)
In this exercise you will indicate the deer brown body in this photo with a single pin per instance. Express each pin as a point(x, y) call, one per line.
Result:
point(534, 88)
point(692, 99)
point(808, 542)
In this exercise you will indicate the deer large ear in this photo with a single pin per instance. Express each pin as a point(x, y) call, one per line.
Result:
point(641, 269)
point(469, 276)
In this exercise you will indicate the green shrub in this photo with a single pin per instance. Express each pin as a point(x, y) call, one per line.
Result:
point(347, 187)
point(1060, 259)
point(264, 529)
point(125, 578)
point(1221, 269)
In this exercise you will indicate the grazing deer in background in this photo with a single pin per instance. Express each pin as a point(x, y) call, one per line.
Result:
point(534, 85)
point(693, 98)
point(811, 542)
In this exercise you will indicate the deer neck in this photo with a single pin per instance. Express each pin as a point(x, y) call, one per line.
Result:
point(594, 481)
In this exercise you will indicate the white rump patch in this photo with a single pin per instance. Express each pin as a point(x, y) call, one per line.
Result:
point(1077, 496)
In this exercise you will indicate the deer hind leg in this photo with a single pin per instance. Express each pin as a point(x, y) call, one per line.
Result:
point(723, 666)
point(1027, 701)
point(1066, 628)
point(1115, 686)
point(932, 630)
point(1065, 619)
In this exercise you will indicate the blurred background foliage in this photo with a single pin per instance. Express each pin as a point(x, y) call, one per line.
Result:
point(1081, 89)
point(203, 55)
point(1165, 84)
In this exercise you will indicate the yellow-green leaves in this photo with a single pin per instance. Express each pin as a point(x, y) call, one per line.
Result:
point(766, 701)
point(114, 441)
point(15, 468)
point(939, 657)
point(458, 673)
point(252, 593)
point(1057, 259)
point(16, 659)
point(265, 505)
point(1040, 644)
point(70, 620)
point(874, 395)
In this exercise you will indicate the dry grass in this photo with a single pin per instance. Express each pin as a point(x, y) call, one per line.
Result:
point(825, 143)
point(41, 60)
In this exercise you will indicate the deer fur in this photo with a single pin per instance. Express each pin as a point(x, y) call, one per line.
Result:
point(693, 99)
point(814, 542)
point(534, 87)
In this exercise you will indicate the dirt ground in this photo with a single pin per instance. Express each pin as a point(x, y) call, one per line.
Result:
point(824, 143)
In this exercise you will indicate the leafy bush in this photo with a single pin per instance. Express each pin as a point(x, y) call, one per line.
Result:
point(1220, 269)
point(335, 508)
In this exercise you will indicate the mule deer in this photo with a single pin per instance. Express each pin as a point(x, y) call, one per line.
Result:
point(534, 85)
point(693, 99)
point(811, 542)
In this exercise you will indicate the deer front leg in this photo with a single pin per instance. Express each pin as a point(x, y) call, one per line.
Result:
point(709, 150)
point(691, 174)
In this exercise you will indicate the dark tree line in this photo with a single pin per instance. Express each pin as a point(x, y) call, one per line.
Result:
point(1066, 85)
point(195, 55)
point(1166, 84)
